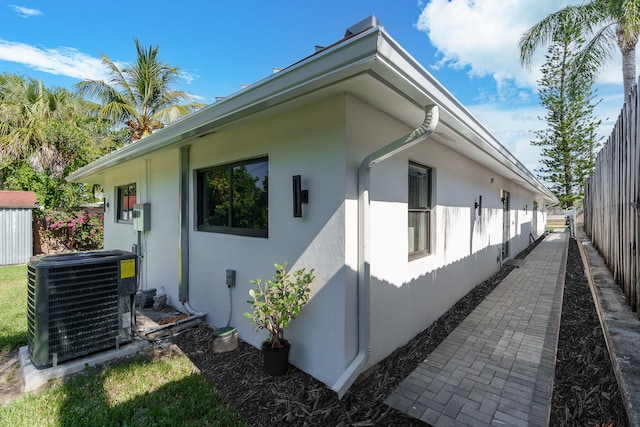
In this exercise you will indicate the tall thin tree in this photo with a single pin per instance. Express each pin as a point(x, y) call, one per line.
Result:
point(569, 142)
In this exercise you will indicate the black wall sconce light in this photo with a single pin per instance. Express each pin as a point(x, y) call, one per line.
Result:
point(300, 196)
point(478, 205)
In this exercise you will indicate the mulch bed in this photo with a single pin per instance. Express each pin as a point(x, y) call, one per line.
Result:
point(297, 399)
point(585, 389)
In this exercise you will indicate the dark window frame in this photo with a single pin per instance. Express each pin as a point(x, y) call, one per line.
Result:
point(120, 208)
point(201, 202)
point(424, 208)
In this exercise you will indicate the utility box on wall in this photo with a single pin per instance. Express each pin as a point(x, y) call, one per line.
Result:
point(142, 217)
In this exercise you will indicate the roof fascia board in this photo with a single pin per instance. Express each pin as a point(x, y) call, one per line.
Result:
point(326, 68)
point(373, 51)
point(402, 68)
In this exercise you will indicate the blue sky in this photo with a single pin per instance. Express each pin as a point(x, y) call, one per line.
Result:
point(470, 46)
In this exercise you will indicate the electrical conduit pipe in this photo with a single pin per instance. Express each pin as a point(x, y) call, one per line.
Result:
point(358, 364)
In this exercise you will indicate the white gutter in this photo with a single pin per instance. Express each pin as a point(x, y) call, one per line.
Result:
point(421, 133)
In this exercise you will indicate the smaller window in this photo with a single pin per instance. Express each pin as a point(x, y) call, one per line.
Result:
point(419, 206)
point(126, 200)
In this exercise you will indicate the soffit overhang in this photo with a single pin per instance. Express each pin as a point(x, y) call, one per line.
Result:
point(371, 66)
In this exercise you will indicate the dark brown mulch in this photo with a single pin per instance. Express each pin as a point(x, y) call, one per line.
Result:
point(299, 400)
point(585, 389)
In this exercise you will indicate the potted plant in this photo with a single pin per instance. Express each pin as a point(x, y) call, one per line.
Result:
point(275, 303)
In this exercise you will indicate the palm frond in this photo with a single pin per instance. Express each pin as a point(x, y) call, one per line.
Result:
point(172, 113)
point(595, 52)
point(542, 34)
point(585, 19)
point(117, 78)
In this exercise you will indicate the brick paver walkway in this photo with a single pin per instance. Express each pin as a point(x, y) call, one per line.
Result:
point(497, 367)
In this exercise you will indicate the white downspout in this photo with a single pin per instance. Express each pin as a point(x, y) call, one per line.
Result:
point(358, 364)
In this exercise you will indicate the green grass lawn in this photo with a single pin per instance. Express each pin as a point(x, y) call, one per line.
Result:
point(144, 391)
point(13, 307)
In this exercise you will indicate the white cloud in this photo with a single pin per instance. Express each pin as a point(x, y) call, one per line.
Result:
point(25, 12)
point(513, 127)
point(608, 109)
point(59, 61)
point(187, 77)
point(482, 36)
point(197, 98)
point(64, 61)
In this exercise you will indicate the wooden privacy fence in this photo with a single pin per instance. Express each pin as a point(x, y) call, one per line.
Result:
point(611, 204)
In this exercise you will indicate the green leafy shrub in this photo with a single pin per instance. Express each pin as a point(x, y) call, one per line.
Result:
point(278, 301)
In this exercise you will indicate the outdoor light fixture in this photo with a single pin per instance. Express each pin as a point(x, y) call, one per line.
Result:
point(478, 205)
point(300, 196)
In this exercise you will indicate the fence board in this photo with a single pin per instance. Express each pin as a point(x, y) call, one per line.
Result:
point(612, 203)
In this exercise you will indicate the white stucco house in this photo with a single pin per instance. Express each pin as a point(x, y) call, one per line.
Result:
point(411, 202)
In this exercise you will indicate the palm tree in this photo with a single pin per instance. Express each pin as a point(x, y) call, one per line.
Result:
point(604, 23)
point(23, 111)
point(139, 96)
point(27, 107)
point(47, 128)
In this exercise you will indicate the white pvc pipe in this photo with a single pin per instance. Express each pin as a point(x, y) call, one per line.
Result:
point(358, 364)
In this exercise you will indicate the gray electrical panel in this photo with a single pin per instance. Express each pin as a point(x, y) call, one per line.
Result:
point(142, 217)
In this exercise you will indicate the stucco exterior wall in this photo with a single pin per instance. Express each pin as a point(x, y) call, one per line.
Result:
point(156, 180)
point(407, 296)
point(310, 141)
point(325, 142)
point(159, 188)
point(119, 235)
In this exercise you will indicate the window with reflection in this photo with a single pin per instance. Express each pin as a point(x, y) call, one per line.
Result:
point(233, 198)
point(126, 200)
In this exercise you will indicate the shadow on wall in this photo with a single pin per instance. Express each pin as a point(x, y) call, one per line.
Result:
point(479, 224)
point(399, 313)
point(324, 336)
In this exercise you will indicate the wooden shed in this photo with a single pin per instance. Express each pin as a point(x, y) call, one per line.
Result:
point(16, 229)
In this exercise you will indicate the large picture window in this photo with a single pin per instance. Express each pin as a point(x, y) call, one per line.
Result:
point(126, 200)
point(233, 198)
point(419, 204)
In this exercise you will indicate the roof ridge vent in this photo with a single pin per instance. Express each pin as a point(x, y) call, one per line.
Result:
point(361, 26)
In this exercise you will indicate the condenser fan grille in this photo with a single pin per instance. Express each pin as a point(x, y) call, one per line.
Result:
point(76, 306)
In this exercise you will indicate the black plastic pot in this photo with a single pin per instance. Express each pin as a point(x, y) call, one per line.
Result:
point(276, 360)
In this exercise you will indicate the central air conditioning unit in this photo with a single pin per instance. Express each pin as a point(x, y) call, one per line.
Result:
point(79, 303)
